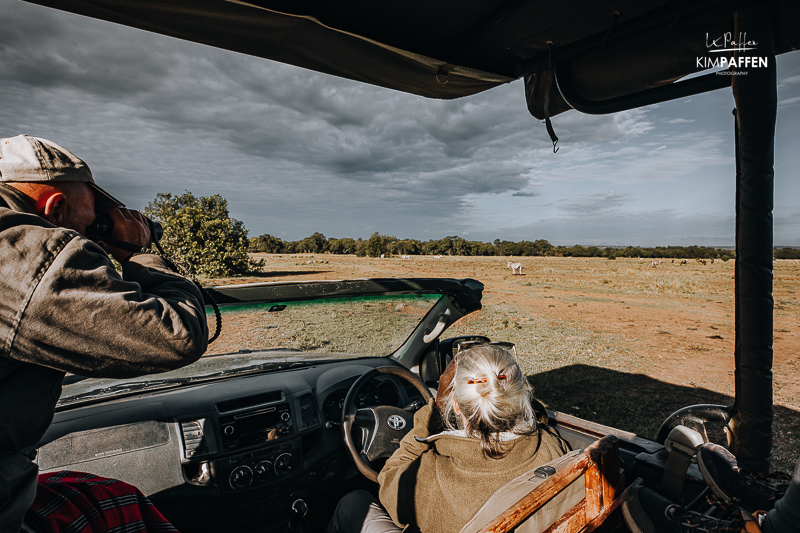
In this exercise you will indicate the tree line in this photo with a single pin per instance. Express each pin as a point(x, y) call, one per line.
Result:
point(378, 245)
point(201, 236)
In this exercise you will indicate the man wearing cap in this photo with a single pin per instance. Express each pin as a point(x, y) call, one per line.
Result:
point(64, 307)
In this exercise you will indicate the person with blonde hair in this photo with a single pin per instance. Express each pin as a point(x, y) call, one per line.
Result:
point(489, 398)
point(480, 432)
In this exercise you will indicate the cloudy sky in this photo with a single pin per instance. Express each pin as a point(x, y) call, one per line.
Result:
point(296, 152)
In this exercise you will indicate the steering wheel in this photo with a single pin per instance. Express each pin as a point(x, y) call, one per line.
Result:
point(383, 426)
point(696, 417)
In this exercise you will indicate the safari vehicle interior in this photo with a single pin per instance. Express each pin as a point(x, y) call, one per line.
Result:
point(254, 438)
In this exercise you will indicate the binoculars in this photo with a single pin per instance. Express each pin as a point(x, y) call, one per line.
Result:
point(102, 229)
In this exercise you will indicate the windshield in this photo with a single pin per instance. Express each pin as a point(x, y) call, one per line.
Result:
point(258, 337)
point(370, 325)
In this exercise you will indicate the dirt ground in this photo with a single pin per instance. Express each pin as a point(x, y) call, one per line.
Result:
point(620, 341)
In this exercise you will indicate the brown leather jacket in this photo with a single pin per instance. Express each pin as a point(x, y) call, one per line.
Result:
point(64, 308)
point(437, 482)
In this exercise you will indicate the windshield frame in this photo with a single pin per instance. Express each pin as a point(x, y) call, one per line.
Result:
point(456, 298)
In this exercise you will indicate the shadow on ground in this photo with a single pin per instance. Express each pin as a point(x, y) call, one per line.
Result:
point(639, 404)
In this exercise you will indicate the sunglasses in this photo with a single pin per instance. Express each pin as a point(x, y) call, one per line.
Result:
point(462, 347)
point(483, 380)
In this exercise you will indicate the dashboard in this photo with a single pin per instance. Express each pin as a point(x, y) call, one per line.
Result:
point(218, 455)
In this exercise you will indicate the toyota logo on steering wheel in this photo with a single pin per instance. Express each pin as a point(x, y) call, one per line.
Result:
point(396, 422)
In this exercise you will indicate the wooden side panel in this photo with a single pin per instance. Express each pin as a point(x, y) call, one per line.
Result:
point(611, 475)
point(599, 466)
point(571, 522)
point(594, 491)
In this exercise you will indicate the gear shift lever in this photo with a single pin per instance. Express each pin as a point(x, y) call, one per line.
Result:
point(297, 519)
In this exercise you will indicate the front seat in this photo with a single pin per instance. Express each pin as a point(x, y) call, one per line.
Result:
point(571, 494)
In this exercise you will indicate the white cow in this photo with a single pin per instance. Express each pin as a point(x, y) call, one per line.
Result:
point(516, 268)
point(405, 257)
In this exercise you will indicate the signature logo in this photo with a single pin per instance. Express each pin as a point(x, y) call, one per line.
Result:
point(396, 422)
point(728, 43)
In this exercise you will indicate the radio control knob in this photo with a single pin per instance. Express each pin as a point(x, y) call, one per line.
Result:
point(263, 469)
point(284, 463)
point(228, 430)
point(285, 417)
point(241, 476)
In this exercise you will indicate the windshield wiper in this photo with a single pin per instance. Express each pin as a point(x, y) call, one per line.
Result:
point(245, 351)
point(130, 386)
point(271, 366)
point(157, 384)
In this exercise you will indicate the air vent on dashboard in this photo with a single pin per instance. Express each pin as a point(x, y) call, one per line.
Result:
point(412, 391)
point(249, 401)
point(194, 440)
point(308, 411)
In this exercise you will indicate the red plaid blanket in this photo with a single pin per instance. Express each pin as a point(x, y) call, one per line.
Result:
point(75, 502)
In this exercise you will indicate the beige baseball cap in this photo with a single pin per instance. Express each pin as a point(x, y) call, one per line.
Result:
point(31, 159)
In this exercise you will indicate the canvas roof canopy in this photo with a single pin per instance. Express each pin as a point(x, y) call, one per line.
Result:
point(454, 48)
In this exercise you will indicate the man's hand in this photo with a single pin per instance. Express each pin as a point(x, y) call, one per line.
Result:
point(129, 226)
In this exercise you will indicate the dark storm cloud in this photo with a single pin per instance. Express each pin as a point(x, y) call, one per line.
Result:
point(276, 112)
point(43, 51)
point(587, 205)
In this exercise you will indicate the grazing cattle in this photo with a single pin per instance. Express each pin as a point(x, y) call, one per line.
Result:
point(684, 262)
point(701, 261)
point(381, 256)
point(656, 262)
point(405, 257)
point(437, 256)
point(516, 268)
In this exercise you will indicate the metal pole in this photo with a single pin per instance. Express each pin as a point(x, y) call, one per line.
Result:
point(755, 93)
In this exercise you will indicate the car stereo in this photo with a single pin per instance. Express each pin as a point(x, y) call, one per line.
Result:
point(258, 426)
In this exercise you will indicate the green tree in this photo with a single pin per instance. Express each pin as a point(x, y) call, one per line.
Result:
point(346, 245)
point(405, 247)
point(361, 247)
point(267, 244)
point(316, 243)
point(378, 244)
point(787, 253)
point(199, 233)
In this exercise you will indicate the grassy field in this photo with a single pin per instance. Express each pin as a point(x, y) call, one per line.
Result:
point(619, 342)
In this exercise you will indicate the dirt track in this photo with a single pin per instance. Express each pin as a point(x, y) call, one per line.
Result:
point(663, 334)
